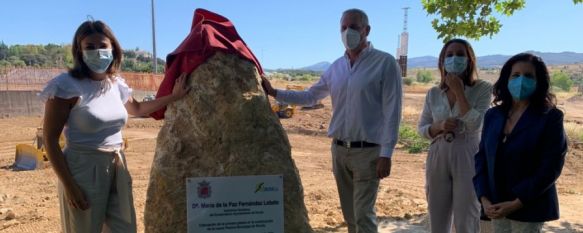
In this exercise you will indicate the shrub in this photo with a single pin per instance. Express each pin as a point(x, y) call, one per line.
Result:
point(4, 63)
point(574, 132)
point(412, 141)
point(306, 77)
point(279, 76)
point(561, 80)
point(408, 81)
point(424, 76)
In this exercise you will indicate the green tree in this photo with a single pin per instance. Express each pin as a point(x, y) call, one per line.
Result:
point(304, 77)
point(577, 78)
point(424, 76)
point(14, 59)
point(3, 51)
point(277, 75)
point(129, 54)
point(59, 56)
point(561, 80)
point(127, 65)
point(14, 50)
point(37, 60)
point(578, 81)
point(143, 58)
point(470, 18)
point(68, 56)
point(18, 63)
point(4, 63)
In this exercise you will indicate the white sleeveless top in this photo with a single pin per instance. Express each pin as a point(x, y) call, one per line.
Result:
point(98, 116)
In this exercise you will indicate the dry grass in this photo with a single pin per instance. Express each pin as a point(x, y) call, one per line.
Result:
point(564, 95)
point(412, 111)
point(418, 88)
point(574, 132)
point(410, 114)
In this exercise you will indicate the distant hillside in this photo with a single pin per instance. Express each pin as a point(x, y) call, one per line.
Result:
point(493, 60)
point(318, 67)
point(425, 61)
point(563, 58)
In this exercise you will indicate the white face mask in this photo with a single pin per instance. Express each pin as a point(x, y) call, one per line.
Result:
point(350, 38)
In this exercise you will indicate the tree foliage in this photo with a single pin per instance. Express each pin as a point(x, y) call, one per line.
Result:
point(470, 18)
point(59, 56)
point(296, 72)
point(561, 80)
point(408, 81)
point(424, 76)
point(294, 75)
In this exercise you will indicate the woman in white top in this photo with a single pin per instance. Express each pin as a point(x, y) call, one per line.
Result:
point(452, 119)
point(91, 103)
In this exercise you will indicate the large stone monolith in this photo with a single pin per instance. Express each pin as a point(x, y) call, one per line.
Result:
point(223, 127)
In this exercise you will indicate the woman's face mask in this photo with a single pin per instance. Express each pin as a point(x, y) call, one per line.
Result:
point(522, 81)
point(456, 58)
point(98, 60)
point(455, 64)
point(521, 87)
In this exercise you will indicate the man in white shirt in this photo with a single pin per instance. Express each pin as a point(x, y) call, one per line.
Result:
point(365, 87)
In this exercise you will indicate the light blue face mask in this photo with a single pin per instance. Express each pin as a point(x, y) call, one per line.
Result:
point(455, 64)
point(98, 60)
point(522, 87)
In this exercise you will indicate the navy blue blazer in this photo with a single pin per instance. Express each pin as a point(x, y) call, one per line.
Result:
point(536, 150)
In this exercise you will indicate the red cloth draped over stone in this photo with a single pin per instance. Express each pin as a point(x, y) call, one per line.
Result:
point(209, 33)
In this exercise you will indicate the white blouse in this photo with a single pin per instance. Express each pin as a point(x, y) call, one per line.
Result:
point(437, 108)
point(99, 115)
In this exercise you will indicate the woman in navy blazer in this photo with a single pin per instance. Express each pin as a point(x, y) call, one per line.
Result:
point(522, 149)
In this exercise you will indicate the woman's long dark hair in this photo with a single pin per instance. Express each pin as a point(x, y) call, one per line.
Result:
point(541, 99)
point(470, 74)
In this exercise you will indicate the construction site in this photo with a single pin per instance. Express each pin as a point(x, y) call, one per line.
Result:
point(29, 199)
point(29, 202)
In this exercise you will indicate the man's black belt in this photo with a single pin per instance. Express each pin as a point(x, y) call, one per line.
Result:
point(357, 144)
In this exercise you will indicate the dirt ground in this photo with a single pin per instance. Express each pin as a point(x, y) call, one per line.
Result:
point(401, 205)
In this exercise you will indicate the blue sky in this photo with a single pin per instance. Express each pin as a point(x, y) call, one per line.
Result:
point(287, 34)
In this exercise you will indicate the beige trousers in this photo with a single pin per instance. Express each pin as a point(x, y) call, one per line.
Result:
point(106, 183)
point(355, 173)
point(449, 187)
point(510, 226)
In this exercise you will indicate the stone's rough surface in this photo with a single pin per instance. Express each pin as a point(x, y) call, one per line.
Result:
point(223, 127)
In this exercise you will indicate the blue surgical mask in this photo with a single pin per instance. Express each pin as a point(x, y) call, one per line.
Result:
point(455, 64)
point(98, 60)
point(522, 87)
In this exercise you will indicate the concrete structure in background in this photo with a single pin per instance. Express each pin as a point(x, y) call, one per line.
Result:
point(20, 103)
point(403, 46)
